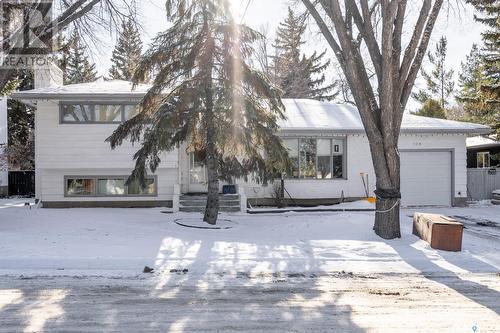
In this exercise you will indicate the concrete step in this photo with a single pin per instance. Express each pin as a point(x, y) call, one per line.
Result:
point(201, 209)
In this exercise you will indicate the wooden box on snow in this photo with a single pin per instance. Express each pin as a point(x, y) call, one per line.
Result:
point(441, 232)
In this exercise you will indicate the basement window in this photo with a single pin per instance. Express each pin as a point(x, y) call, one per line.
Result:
point(316, 158)
point(108, 186)
point(80, 187)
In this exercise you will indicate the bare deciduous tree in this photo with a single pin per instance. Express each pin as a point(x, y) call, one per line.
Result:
point(348, 27)
point(84, 15)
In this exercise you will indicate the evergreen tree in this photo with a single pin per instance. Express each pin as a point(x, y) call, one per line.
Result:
point(432, 108)
point(488, 14)
point(439, 81)
point(127, 52)
point(206, 94)
point(78, 67)
point(472, 97)
point(62, 52)
point(297, 75)
point(470, 79)
point(21, 127)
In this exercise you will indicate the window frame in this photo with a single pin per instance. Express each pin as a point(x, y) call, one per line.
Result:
point(331, 138)
point(92, 105)
point(66, 194)
point(96, 178)
point(484, 153)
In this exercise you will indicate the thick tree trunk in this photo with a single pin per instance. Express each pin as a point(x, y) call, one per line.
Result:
point(387, 218)
point(381, 115)
point(387, 191)
point(212, 208)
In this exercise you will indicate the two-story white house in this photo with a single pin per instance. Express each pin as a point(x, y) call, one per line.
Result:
point(76, 167)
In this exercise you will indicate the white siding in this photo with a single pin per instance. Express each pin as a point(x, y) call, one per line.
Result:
point(52, 184)
point(80, 149)
point(82, 145)
point(359, 161)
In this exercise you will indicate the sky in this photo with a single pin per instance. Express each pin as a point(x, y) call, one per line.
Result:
point(456, 24)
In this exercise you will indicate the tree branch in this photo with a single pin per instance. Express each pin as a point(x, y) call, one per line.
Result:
point(366, 29)
point(355, 72)
point(422, 48)
point(411, 49)
point(325, 31)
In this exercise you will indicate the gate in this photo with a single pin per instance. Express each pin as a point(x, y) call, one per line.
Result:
point(22, 183)
point(481, 182)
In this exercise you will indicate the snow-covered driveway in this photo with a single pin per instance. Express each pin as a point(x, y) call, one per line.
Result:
point(79, 270)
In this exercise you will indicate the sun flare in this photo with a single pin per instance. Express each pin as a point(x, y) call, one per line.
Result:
point(237, 7)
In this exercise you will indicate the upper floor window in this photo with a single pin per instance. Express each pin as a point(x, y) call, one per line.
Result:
point(316, 158)
point(93, 113)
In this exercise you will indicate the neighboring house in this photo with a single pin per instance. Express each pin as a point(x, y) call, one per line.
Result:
point(76, 167)
point(483, 152)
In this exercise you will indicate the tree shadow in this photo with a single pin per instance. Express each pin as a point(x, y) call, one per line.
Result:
point(177, 299)
point(476, 292)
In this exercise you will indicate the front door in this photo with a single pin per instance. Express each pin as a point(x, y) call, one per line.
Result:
point(197, 174)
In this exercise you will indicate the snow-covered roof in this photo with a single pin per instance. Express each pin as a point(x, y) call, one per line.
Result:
point(305, 114)
point(481, 141)
point(301, 114)
point(100, 89)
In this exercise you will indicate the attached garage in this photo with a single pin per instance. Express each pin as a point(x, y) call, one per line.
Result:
point(426, 178)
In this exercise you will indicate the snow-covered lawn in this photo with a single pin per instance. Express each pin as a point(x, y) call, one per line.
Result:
point(120, 242)
point(79, 270)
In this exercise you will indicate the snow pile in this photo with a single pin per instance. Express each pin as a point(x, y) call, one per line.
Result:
point(361, 205)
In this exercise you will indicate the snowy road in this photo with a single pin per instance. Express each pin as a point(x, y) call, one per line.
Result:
point(333, 303)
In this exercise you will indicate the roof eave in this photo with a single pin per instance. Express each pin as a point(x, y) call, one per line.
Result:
point(70, 97)
point(486, 145)
point(467, 131)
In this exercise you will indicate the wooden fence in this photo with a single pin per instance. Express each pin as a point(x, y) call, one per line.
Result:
point(481, 182)
point(22, 183)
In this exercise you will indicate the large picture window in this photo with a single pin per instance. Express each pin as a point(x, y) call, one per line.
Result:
point(108, 186)
point(95, 113)
point(316, 158)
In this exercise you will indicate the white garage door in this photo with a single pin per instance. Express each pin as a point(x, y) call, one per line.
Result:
point(426, 178)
